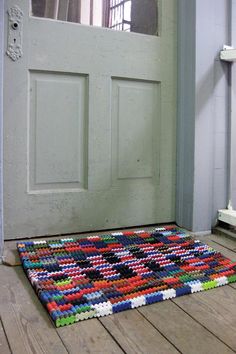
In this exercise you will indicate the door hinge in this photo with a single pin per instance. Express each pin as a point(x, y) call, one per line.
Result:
point(15, 25)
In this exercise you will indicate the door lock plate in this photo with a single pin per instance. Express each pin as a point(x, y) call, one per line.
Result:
point(15, 25)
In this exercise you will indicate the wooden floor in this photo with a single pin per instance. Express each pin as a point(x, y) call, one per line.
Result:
point(197, 323)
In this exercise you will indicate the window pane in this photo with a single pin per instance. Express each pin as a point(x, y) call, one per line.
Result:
point(122, 15)
point(127, 11)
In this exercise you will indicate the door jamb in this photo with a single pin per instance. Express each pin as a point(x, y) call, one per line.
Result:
point(1, 124)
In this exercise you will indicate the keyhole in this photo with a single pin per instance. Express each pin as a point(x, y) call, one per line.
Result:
point(15, 25)
point(14, 40)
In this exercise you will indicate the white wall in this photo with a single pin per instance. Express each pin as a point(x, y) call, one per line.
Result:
point(212, 115)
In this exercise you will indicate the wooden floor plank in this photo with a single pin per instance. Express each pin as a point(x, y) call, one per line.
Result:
point(233, 285)
point(183, 331)
point(135, 334)
point(90, 337)
point(229, 233)
point(225, 251)
point(215, 309)
point(26, 323)
point(4, 347)
point(11, 256)
point(224, 241)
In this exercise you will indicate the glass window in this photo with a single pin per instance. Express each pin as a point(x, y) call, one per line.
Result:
point(121, 15)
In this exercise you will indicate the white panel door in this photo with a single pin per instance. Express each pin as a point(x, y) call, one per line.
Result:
point(89, 127)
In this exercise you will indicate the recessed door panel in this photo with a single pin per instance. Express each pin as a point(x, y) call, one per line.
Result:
point(135, 125)
point(58, 131)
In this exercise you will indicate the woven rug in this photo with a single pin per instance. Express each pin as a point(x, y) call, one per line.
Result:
point(76, 279)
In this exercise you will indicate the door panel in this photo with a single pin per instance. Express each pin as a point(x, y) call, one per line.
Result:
point(58, 146)
point(135, 123)
point(89, 126)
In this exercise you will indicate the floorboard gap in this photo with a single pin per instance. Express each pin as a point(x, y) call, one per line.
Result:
point(163, 335)
point(4, 331)
point(64, 344)
point(111, 335)
point(232, 287)
point(220, 244)
point(204, 326)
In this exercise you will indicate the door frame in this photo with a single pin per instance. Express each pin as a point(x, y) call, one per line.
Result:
point(203, 113)
point(1, 124)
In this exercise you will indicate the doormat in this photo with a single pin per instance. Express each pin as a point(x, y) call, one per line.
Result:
point(76, 279)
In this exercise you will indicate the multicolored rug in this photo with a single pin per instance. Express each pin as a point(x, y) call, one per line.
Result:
point(77, 279)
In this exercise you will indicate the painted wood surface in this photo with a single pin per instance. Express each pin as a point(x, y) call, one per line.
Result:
point(24, 318)
point(224, 241)
point(90, 337)
point(214, 309)
point(182, 330)
point(4, 346)
point(90, 117)
point(135, 334)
